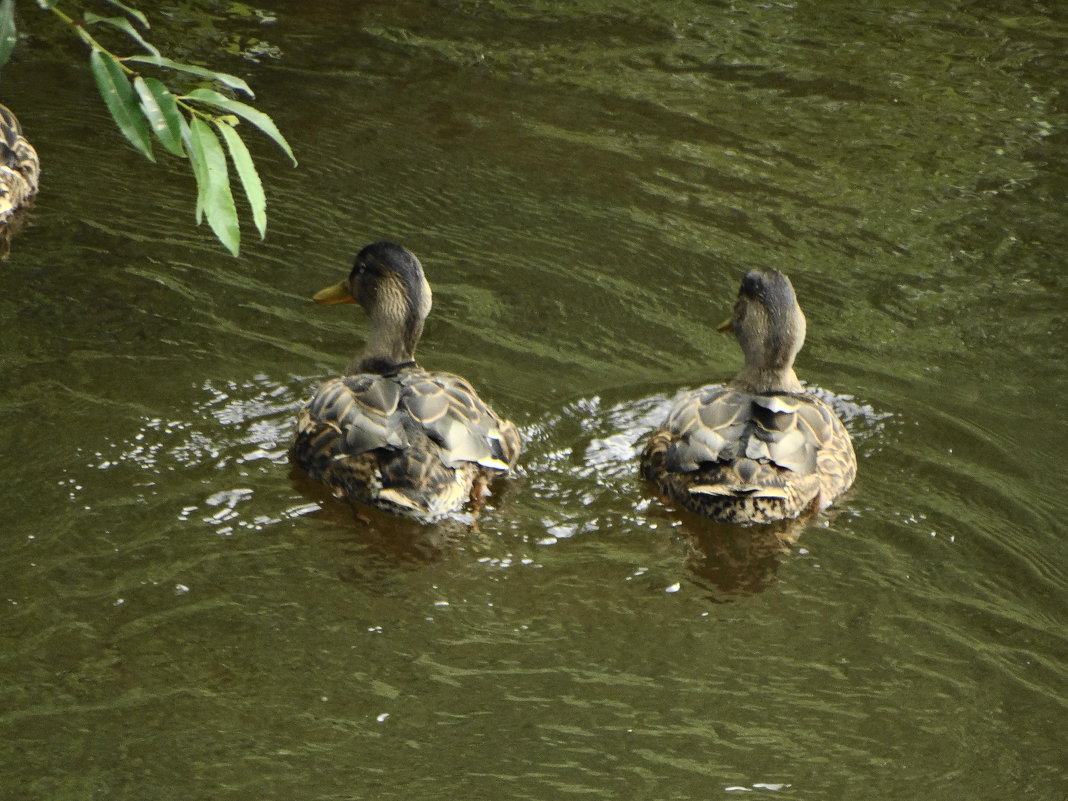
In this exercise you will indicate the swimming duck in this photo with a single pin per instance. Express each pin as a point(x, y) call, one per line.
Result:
point(19, 166)
point(760, 448)
point(389, 433)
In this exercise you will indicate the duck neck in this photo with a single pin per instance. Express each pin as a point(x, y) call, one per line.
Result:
point(397, 311)
point(386, 351)
point(760, 379)
point(395, 331)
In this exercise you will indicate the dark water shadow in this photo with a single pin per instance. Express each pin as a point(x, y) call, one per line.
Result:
point(18, 222)
point(374, 541)
point(730, 561)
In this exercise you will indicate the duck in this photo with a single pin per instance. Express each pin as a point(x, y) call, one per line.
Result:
point(759, 449)
point(387, 432)
point(20, 167)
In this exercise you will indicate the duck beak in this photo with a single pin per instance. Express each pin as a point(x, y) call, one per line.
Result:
point(338, 293)
point(727, 326)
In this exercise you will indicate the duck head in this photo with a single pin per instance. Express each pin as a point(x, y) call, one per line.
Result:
point(387, 280)
point(770, 327)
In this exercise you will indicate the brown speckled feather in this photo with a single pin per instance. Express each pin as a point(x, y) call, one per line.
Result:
point(19, 166)
point(743, 458)
point(416, 443)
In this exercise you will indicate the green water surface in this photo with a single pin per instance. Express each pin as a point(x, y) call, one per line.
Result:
point(183, 618)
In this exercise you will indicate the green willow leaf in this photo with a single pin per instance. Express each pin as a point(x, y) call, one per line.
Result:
point(200, 168)
point(256, 117)
point(216, 199)
point(133, 12)
point(227, 80)
point(121, 100)
point(8, 33)
point(161, 110)
point(246, 171)
point(123, 25)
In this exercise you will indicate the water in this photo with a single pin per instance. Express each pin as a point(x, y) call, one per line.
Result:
point(183, 617)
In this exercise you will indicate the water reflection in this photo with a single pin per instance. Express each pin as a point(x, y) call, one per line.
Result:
point(226, 442)
point(376, 534)
point(12, 227)
point(591, 488)
point(731, 560)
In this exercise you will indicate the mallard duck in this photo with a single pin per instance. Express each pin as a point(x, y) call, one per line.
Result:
point(759, 449)
point(389, 433)
point(19, 166)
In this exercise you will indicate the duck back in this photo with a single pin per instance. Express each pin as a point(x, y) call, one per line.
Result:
point(414, 442)
point(744, 458)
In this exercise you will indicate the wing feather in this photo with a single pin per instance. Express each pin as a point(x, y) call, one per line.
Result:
point(747, 456)
point(413, 440)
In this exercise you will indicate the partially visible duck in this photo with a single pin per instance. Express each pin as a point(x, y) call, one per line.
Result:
point(20, 167)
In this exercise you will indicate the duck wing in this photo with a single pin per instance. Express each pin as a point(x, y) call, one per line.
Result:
point(449, 412)
point(415, 439)
point(735, 443)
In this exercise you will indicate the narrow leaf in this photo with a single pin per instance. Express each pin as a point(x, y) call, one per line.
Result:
point(123, 25)
point(256, 117)
point(250, 179)
point(121, 100)
point(161, 110)
point(133, 12)
point(9, 35)
point(227, 80)
point(200, 168)
point(218, 201)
